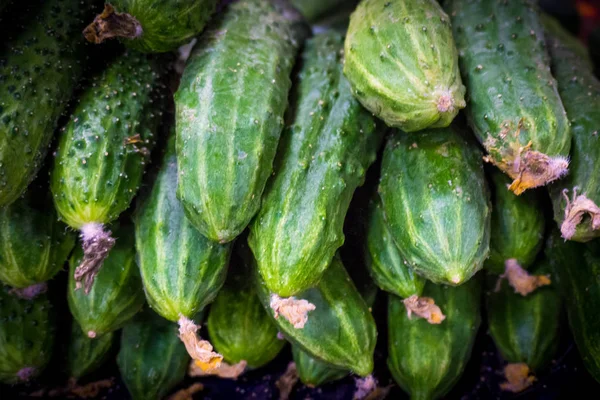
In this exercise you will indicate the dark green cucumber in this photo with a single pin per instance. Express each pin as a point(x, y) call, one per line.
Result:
point(33, 244)
point(514, 107)
point(576, 270)
point(314, 372)
point(27, 330)
point(238, 325)
point(436, 203)
point(553, 28)
point(313, 9)
point(230, 113)
point(576, 198)
point(85, 355)
point(525, 328)
point(40, 64)
point(384, 260)
point(151, 26)
point(117, 294)
point(102, 153)
point(340, 330)
point(152, 359)
point(322, 159)
point(426, 360)
point(402, 62)
point(517, 230)
point(182, 271)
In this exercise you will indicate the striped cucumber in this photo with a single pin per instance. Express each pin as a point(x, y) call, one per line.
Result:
point(85, 355)
point(102, 154)
point(436, 203)
point(117, 295)
point(514, 107)
point(322, 159)
point(229, 113)
point(314, 372)
point(151, 26)
point(40, 64)
point(402, 62)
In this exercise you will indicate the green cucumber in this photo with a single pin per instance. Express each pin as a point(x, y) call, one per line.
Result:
point(181, 270)
point(314, 372)
point(322, 159)
point(238, 325)
point(518, 225)
point(229, 113)
point(575, 198)
point(117, 294)
point(313, 9)
point(553, 28)
point(576, 269)
point(85, 355)
point(27, 333)
point(34, 245)
point(436, 203)
point(151, 26)
point(402, 62)
point(514, 107)
point(340, 331)
point(152, 360)
point(40, 65)
point(102, 153)
point(426, 360)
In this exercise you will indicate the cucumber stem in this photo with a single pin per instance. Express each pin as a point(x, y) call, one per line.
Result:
point(517, 378)
point(225, 370)
point(294, 310)
point(30, 292)
point(200, 350)
point(287, 381)
point(424, 307)
point(519, 279)
point(112, 24)
point(25, 374)
point(574, 212)
point(96, 243)
point(364, 387)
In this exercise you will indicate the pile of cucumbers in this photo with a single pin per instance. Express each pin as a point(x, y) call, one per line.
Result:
point(200, 217)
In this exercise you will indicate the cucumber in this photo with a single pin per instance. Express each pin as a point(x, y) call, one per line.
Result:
point(151, 26)
point(238, 326)
point(576, 269)
point(117, 295)
point(575, 198)
point(181, 270)
point(229, 113)
point(314, 372)
point(427, 360)
point(553, 28)
point(41, 62)
point(85, 355)
point(313, 9)
point(152, 360)
point(322, 159)
point(402, 62)
point(102, 153)
point(436, 203)
point(27, 333)
point(514, 107)
point(526, 329)
point(34, 245)
point(340, 331)
point(518, 225)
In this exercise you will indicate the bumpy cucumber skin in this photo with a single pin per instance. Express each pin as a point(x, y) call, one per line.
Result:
point(341, 330)
point(384, 260)
point(165, 25)
point(426, 360)
point(229, 113)
point(33, 244)
point(152, 358)
point(181, 270)
point(314, 372)
point(322, 159)
point(85, 355)
point(97, 170)
point(436, 203)
point(401, 59)
point(40, 65)
point(580, 91)
point(518, 225)
point(117, 294)
point(238, 325)
point(312, 9)
point(505, 67)
point(26, 335)
point(576, 269)
point(526, 329)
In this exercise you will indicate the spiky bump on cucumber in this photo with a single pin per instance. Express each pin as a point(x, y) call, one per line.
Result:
point(514, 107)
point(102, 154)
